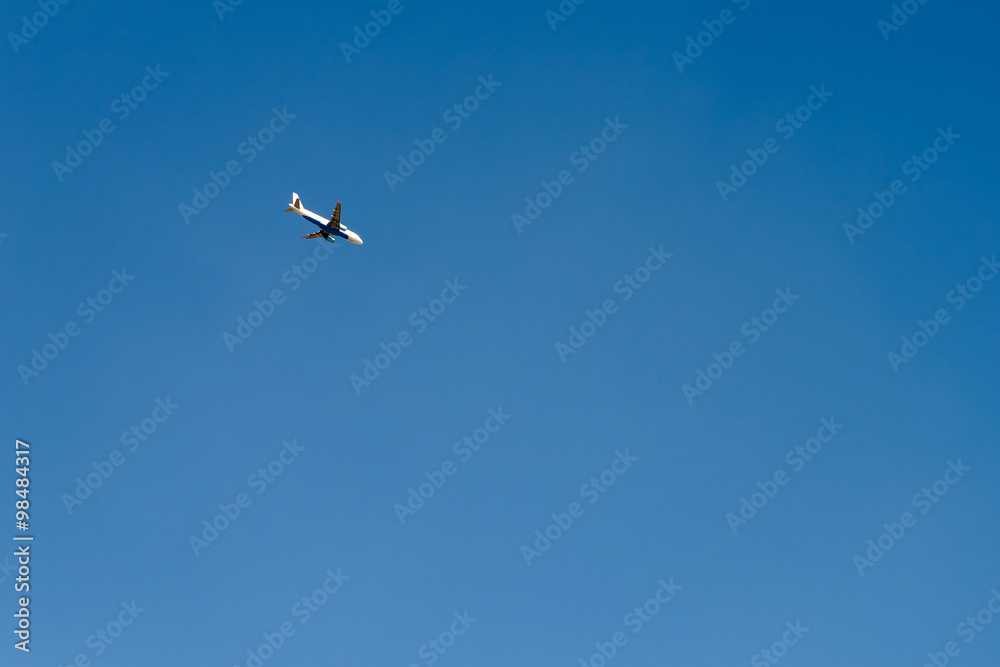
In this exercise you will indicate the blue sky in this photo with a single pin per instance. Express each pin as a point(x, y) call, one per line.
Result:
point(319, 466)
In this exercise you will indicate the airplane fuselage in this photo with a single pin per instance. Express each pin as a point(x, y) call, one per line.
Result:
point(324, 223)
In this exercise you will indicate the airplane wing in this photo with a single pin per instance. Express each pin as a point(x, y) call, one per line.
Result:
point(335, 218)
point(316, 235)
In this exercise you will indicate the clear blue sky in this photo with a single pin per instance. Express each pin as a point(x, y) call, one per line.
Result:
point(645, 204)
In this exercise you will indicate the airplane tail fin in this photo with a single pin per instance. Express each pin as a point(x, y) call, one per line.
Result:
point(295, 205)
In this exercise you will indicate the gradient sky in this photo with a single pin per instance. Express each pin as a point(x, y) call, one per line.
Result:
point(358, 453)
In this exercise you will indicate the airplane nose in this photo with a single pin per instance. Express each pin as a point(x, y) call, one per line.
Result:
point(356, 239)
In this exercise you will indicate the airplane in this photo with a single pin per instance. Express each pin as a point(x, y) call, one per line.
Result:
point(327, 228)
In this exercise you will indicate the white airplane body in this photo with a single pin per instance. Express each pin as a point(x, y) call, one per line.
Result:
point(327, 228)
